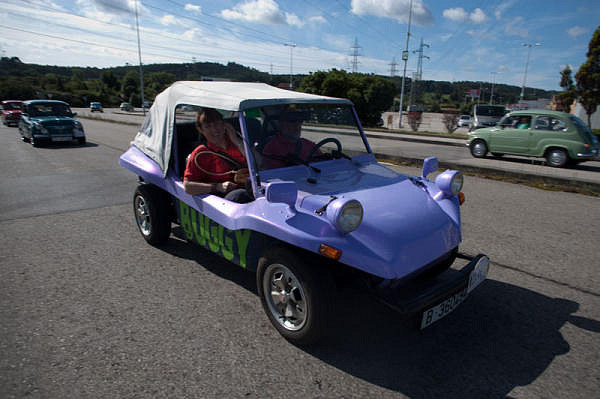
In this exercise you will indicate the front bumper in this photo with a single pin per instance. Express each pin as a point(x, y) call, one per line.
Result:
point(422, 294)
point(588, 155)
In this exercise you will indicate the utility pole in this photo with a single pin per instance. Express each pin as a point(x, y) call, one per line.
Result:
point(419, 74)
point(405, 59)
point(393, 67)
point(140, 57)
point(493, 82)
point(291, 46)
point(355, 55)
point(529, 45)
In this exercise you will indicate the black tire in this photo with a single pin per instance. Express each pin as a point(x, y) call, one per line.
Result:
point(478, 148)
point(151, 211)
point(497, 154)
point(557, 157)
point(81, 141)
point(310, 287)
point(34, 142)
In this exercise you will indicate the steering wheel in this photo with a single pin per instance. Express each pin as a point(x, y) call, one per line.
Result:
point(321, 144)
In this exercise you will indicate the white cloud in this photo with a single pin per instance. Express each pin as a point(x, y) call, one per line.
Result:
point(460, 15)
point(576, 31)
point(446, 37)
point(192, 34)
point(456, 14)
point(260, 11)
point(478, 16)
point(503, 7)
point(193, 8)
point(317, 20)
point(515, 27)
point(169, 20)
point(293, 20)
point(394, 9)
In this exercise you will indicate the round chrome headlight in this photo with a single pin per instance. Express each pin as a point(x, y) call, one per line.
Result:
point(345, 214)
point(450, 182)
point(457, 183)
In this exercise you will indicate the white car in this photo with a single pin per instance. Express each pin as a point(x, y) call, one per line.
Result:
point(464, 120)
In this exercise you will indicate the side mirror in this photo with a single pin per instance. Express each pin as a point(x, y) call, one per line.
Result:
point(282, 191)
point(430, 165)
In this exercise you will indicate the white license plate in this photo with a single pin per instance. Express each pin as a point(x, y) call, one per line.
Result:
point(62, 138)
point(435, 313)
point(479, 273)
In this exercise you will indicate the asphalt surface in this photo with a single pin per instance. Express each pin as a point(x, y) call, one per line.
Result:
point(89, 310)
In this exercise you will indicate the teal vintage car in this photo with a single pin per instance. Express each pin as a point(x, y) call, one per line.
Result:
point(47, 121)
point(559, 137)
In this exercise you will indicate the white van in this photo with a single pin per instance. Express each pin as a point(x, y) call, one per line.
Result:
point(485, 115)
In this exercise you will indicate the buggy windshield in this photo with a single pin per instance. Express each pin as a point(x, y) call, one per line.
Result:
point(288, 134)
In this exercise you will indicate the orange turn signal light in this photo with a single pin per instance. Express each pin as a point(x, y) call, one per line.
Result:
point(330, 252)
point(461, 198)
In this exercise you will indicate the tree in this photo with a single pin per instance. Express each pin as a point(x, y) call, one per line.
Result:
point(131, 84)
point(588, 78)
point(370, 94)
point(565, 99)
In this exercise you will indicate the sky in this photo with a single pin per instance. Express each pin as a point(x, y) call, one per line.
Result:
point(463, 40)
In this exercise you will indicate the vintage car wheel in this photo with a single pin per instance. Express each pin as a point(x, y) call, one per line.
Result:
point(478, 148)
point(557, 157)
point(81, 141)
point(296, 295)
point(34, 142)
point(150, 207)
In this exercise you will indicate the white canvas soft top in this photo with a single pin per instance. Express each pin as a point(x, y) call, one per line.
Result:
point(156, 136)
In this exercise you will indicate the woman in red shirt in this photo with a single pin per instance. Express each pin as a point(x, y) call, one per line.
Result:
point(219, 166)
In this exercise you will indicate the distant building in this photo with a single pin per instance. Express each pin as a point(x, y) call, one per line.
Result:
point(578, 110)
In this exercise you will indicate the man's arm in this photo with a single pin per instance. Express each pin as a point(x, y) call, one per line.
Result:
point(196, 187)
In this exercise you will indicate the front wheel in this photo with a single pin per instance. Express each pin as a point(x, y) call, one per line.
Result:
point(478, 148)
point(151, 210)
point(557, 157)
point(296, 295)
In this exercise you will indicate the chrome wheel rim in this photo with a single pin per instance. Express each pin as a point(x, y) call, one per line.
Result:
point(142, 215)
point(285, 297)
point(557, 158)
point(479, 149)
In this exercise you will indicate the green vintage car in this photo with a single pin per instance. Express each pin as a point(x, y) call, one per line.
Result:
point(557, 136)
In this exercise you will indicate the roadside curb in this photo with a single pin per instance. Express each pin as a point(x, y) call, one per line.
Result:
point(495, 173)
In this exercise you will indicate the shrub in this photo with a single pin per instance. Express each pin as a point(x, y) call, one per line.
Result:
point(450, 120)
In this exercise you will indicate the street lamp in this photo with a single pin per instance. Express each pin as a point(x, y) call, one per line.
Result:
point(405, 59)
point(291, 46)
point(529, 45)
point(493, 82)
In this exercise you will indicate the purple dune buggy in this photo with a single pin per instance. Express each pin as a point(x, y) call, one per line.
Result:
point(330, 216)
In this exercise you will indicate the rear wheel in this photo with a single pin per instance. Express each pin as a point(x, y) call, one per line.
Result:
point(151, 210)
point(557, 157)
point(478, 148)
point(296, 295)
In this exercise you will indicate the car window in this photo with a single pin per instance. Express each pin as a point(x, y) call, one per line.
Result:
point(545, 122)
point(49, 109)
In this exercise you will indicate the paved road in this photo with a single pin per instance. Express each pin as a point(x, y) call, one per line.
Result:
point(90, 310)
